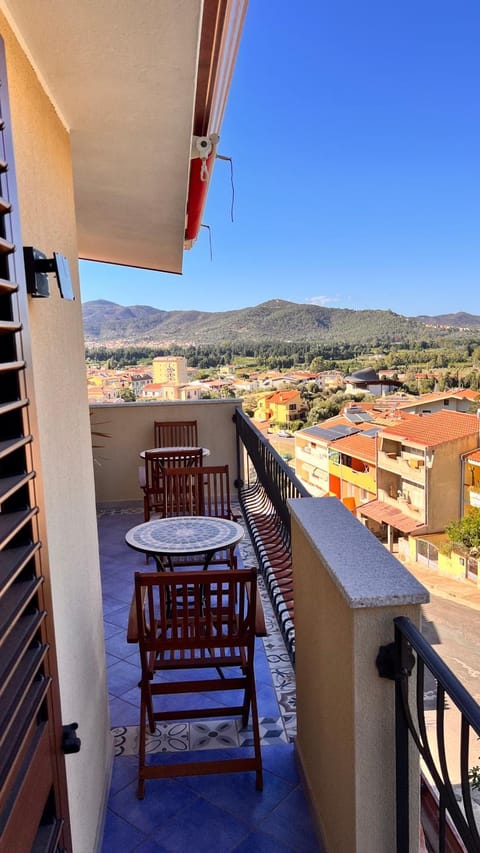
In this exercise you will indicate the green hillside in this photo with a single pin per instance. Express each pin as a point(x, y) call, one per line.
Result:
point(274, 320)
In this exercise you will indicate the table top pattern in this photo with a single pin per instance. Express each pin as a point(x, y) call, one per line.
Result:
point(205, 450)
point(184, 535)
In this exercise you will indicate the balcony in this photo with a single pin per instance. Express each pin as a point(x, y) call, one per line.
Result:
point(361, 479)
point(412, 468)
point(355, 605)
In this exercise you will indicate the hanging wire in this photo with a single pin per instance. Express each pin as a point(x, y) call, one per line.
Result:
point(209, 238)
point(229, 160)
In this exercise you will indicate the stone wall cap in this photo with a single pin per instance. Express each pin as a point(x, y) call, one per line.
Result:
point(365, 573)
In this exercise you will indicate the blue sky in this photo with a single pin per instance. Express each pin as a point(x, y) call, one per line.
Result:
point(354, 130)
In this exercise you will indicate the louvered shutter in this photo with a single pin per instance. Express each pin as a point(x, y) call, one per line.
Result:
point(33, 802)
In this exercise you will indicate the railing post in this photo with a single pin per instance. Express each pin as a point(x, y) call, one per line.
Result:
point(348, 590)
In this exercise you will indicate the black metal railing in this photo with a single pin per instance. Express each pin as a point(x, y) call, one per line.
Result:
point(437, 692)
point(265, 483)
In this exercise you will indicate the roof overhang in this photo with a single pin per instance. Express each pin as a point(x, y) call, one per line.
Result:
point(383, 512)
point(132, 82)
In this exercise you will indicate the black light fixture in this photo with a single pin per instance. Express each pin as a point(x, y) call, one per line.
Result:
point(37, 269)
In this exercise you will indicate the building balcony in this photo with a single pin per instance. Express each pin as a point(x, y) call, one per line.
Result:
point(342, 604)
point(412, 468)
point(361, 479)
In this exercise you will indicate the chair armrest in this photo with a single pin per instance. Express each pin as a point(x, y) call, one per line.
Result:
point(132, 629)
point(260, 627)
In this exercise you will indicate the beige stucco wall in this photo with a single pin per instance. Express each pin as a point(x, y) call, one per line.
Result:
point(345, 711)
point(130, 430)
point(62, 445)
point(444, 482)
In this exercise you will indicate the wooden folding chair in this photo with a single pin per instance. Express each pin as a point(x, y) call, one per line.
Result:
point(175, 434)
point(201, 622)
point(200, 491)
point(156, 463)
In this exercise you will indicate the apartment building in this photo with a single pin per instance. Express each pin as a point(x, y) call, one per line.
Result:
point(170, 369)
point(169, 391)
point(419, 473)
point(319, 465)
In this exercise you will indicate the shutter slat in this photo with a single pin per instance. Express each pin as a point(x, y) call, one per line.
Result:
point(6, 248)
point(21, 725)
point(9, 326)
point(13, 561)
point(12, 406)
point(13, 523)
point(13, 444)
point(19, 689)
point(8, 366)
point(10, 485)
point(18, 640)
point(13, 602)
point(8, 286)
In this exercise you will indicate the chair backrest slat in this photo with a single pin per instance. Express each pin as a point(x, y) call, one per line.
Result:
point(156, 463)
point(176, 433)
point(198, 491)
point(191, 613)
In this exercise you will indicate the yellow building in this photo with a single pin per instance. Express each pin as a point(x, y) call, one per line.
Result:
point(171, 370)
point(281, 406)
point(471, 481)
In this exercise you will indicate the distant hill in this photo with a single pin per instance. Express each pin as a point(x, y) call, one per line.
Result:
point(452, 321)
point(274, 320)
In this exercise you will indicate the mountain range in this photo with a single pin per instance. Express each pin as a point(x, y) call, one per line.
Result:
point(274, 320)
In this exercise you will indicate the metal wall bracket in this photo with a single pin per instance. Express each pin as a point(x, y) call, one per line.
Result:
point(390, 666)
point(70, 741)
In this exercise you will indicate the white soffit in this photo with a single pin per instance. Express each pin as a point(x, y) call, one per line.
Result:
point(122, 75)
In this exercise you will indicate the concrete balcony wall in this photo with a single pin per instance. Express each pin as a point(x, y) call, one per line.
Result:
point(348, 589)
point(411, 467)
point(130, 430)
point(361, 479)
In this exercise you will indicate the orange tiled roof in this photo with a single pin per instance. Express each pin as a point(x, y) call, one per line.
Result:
point(466, 393)
point(380, 511)
point(474, 456)
point(359, 446)
point(437, 428)
point(282, 396)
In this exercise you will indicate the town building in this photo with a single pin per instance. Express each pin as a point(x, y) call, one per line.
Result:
point(419, 484)
point(170, 369)
point(282, 407)
point(368, 381)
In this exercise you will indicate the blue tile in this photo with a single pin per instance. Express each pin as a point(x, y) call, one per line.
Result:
point(259, 842)
point(292, 824)
point(280, 760)
point(122, 676)
point(267, 700)
point(120, 835)
point(117, 645)
point(124, 713)
point(201, 828)
point(237, 794)
point(149, 846)
point(124, 772)
point(164, 799)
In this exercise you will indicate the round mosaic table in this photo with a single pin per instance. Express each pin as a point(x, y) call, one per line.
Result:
point(185, 536)
point(205, 450)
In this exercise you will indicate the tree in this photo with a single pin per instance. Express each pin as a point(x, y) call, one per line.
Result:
point(127, 395)
point(466, 532)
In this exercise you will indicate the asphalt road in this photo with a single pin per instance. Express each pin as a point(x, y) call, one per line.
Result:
point(454, 632)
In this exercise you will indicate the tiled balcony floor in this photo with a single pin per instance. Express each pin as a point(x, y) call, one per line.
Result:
point(194, 813)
